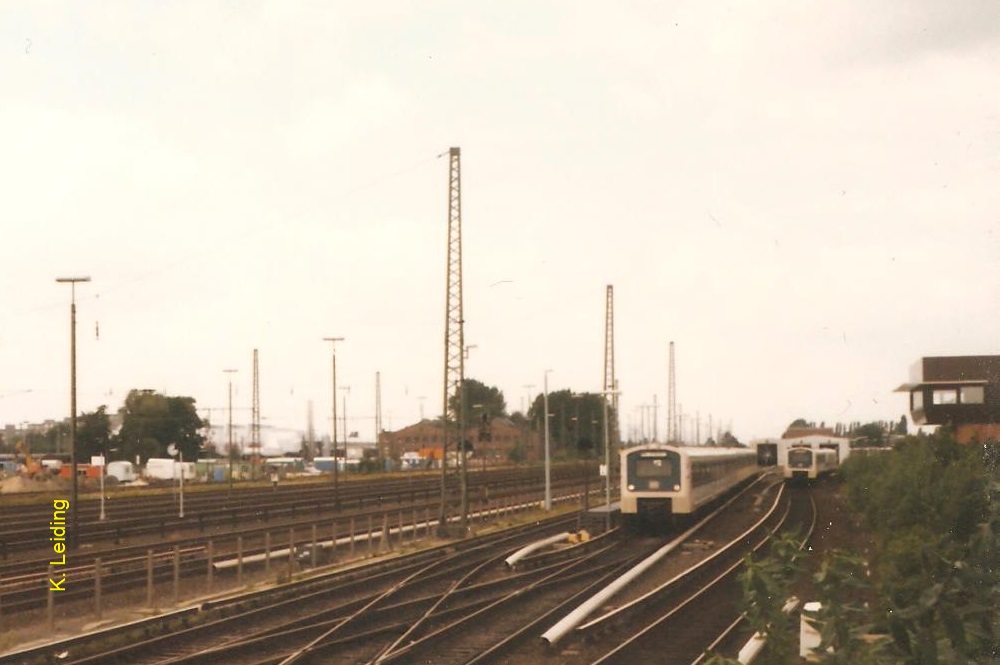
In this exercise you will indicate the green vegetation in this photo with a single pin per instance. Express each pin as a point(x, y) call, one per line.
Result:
point(152, 421)
point(93, 433)
point(480, 400)
point(938, 540)
point(576, 422)
point(936, 595)
point(868, 434)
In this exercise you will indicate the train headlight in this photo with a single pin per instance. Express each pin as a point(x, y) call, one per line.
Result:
point(631, 488)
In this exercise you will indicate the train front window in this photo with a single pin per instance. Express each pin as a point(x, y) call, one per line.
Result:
point(653, 468)
point(799, 459)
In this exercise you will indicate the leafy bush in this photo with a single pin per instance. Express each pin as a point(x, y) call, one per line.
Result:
point(937, 539)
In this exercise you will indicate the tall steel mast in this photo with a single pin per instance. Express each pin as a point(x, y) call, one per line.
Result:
point(454, 335)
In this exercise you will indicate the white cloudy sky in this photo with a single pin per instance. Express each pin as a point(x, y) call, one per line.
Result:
point(802, 195)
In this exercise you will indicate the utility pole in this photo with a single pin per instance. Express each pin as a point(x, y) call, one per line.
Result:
point(347, 391)
point(680, 422)
point(333, 346)
point(255, 420)
point(229, 429)
point(454, 331)
point(74, 535)
point(527, 422)
point(310, 433)
point(378, 420)
point(548, 464)
point(671, 400)
point(656, 436)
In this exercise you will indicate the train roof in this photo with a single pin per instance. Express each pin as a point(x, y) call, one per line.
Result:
point(819, 451)
point(691, 451)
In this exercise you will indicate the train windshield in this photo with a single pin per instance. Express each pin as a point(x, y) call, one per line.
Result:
point(656, 467)
point(799, 459)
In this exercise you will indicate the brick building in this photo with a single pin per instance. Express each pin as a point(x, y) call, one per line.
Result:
point(426, 438)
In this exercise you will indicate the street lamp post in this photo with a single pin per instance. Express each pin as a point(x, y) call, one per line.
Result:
point(333, 345)
point(548, 463)
point(103, 460)
point(607, 460)
point(229, 429)
point(347, 391)
point(72, 281)
point(462, 450)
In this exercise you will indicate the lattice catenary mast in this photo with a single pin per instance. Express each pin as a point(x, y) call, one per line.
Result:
point(454, 335)
point(610, 384)
point(255, 411)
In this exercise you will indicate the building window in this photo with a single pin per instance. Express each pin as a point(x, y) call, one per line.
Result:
point(972, 395)
point(917, 400)
point(949, 396)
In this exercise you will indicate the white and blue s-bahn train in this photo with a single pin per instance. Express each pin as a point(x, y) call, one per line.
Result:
point(661, 482)
point(805, 463)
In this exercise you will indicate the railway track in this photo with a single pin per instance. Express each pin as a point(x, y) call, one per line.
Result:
point(674, 618)
point(344, 607)
point(24, 527)
point(461, 604)
point(24, 584)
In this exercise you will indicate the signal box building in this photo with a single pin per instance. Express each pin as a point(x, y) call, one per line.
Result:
point(962, 391)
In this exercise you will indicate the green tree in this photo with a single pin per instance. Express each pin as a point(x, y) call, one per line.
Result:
point(576, 420)
point(93, 434)
point(152, 421)
point(480, 399)
point(56, 439)
point(873, 433)
point(729, 441)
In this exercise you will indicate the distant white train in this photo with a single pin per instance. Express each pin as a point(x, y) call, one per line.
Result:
point(804, 463)
point(661, 482)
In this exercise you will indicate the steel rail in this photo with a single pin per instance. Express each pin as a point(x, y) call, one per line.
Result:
point(631, 641)
point(293, 593)
point(572, 620)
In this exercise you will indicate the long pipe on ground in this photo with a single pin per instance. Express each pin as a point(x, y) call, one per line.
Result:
point(512, 560)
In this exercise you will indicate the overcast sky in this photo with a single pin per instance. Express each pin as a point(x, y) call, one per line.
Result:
point(803, 196)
